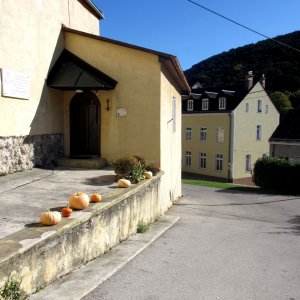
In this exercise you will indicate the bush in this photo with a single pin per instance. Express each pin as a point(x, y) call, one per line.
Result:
point(124, 165)
point(131, 167)
point(141, 160)
point(277, 174)
point(153, 167)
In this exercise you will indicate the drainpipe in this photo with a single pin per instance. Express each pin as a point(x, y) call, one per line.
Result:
point(231, 147)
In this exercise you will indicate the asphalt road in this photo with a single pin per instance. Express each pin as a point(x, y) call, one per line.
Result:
point(227, 245)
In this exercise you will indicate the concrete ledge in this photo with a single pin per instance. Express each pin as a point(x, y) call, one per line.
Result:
point(105, 266)
point(39, 255)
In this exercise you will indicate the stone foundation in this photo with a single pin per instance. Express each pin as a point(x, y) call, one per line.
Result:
point(20, 153)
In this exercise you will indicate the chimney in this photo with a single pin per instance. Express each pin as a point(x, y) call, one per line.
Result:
point(249, 80)
point(263, 81)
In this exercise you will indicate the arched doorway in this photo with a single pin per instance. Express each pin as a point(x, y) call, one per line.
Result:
point(85, 112)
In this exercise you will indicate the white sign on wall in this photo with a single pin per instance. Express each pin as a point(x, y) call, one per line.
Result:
point(15, 84)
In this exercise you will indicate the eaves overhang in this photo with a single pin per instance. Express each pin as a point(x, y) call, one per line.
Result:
point(170, 61)
point(72, 73)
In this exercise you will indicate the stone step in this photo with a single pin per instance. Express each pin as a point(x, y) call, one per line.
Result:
point(84, 163)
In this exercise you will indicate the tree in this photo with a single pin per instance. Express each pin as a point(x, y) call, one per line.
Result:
point(295, 99)
point(282, 102)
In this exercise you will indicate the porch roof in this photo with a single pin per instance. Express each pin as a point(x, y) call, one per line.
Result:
point(72, 73)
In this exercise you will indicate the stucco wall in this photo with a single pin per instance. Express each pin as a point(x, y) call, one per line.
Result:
point(30, 39)
point(138, 90)
point(245, 129)
point(170, 137)
point(211, 121)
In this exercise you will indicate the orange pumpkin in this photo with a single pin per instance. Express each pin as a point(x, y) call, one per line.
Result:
point(66, 212)
point(96, 197)
point(50, 218)
point(79, 200)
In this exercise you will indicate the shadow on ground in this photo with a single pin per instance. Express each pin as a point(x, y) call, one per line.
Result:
point(103, 180)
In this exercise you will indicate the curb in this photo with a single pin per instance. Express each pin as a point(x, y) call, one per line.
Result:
point(81, 282)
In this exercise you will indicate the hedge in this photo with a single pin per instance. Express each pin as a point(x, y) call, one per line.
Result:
point(278, 174)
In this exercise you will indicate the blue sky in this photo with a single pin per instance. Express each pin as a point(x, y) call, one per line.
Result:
point(191, 33)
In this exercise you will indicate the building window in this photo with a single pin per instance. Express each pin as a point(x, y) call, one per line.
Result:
point(219, 162)
point(202, 162)
point(258, 132)
point(267, 108)
point(174, 113)
point(220, 135)
point(205, 104)
point(259, 106)
point(222, 103)
point(247, 107)
point(188, 158)
point(248, 162)
point(203, 134)
point(190, 105)
point(188, 134)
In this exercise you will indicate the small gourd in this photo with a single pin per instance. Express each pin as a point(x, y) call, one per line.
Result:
point(124, 183)
point(50, 217)
point(95, 198)
point(148, 174)
point(66, 211)
point(79, 200)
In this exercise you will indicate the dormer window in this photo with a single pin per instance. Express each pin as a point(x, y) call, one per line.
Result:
point(222, 103)
point(190, 105)
point(205, 104)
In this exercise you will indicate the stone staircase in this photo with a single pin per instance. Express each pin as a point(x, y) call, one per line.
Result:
point(94, 163)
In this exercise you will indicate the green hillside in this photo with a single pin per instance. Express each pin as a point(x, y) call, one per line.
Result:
point(280, 64)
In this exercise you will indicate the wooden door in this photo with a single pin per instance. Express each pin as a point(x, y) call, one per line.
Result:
point(85, 125)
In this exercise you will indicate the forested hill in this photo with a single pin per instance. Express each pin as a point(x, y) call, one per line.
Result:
point(280, 64)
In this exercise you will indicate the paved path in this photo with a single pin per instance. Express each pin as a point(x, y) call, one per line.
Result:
point(24, 195)
point(227, 245)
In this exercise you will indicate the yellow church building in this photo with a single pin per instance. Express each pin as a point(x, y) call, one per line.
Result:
point(68, 92)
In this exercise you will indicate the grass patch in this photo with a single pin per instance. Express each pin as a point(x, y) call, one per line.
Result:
point(142, 227)
point(234, 187)
point(220, 185)
point(11, 290)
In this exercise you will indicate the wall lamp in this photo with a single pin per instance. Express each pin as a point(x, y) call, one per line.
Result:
point(107, 104)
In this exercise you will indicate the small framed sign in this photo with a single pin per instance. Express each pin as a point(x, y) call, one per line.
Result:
point(15, 84)
point(121, 112)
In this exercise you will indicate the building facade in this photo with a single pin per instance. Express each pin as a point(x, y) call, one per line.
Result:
point(66, 91)
point(285, 140)
point(225, 131)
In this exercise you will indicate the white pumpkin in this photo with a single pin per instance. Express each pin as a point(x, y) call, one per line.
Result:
point(50, 217)
point(148, 174)
point(124, 183)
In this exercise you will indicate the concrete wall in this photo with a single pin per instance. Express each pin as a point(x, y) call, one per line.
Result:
point(245, 129)
point(41, 254)
point(211, 121)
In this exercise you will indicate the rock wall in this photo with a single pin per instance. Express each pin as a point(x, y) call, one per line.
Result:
point(19, 153)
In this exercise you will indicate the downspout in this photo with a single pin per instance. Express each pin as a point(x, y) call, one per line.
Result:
point(231, 147)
